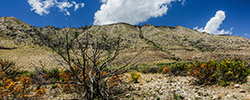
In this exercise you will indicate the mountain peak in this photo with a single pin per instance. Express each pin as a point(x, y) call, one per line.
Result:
point(13, 22)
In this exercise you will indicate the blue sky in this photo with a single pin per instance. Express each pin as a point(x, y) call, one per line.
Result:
point(202, 14)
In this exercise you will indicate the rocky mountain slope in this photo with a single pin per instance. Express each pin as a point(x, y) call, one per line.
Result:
point(158, 43)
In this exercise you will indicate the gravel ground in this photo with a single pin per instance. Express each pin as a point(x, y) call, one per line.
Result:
point(165, 87)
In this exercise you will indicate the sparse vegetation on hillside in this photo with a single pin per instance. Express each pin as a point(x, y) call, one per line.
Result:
point(7, 66)
point(176, 42)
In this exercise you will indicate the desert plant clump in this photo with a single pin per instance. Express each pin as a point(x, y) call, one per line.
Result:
point(18, 88)
point(175, 68)
point(220, 72)
point(148, 69)
point(7, 66)
point(178, 96)
point(135, 77)
point(40, 92)
point(179, 68)
point(166, 69)
point(15, 84)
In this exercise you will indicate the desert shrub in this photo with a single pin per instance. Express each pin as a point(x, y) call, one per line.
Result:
point(40, 92)
point(49, 74)
point(212, 72)
point(178, 96)
point(179, 68)
point(175, 68)
point(14, 84)
point(18, 88)
point(161, 66)
point(220, 72)
point(166, 69)
point(148, 69)
point(7, 66)
point(135, 76)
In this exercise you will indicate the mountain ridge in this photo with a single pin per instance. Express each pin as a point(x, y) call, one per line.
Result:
point(158, 42)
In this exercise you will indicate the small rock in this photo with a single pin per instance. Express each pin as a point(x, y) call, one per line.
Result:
point(215, 97)
point(228, 95)
point(127, 95)
point(242, 91)
point(237, 85)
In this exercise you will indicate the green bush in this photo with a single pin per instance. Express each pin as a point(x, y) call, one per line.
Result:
point(178, 97)
point(148, 69)
point(135, 76)
point(179, 68)
point(175, 68)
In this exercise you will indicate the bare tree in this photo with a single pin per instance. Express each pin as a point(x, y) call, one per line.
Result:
point(88, 59)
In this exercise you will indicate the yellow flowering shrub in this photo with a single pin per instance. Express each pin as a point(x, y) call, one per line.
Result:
point(40, 92)
point(222, 72)
point(17, 88)
point(166, 69)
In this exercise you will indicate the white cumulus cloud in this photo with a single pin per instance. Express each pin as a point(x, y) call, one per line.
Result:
point(130, 11)
point(214, 23)
point(42, 7)
point(63, 6)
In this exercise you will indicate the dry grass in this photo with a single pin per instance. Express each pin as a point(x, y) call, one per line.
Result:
point(7, 43)
point(145, 56)
point(25, 56)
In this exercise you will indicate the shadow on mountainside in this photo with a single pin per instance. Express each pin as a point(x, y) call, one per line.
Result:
point(7, 48)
